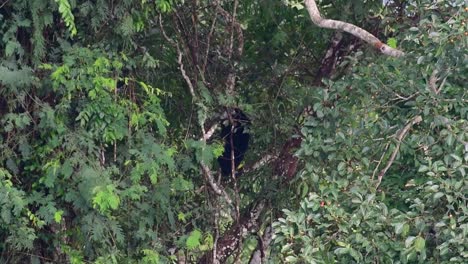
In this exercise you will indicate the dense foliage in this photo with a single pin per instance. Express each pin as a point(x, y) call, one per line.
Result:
point(107, 109)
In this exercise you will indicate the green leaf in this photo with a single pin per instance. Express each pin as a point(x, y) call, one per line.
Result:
point(105, 199)
point(409, 241)
point(291, 259)
point(355, 254)
point(193, 241)
point(438, 195)
point(392, 42)
point(419, 244)
point(150, 256)
point(67, 16)
point(218, 150)
point(58, 216)
point(181, 217)
point(399, 228)
point(341, 251)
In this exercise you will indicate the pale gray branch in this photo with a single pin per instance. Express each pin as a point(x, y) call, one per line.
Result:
point(179, 59)
point(216, 188)
point(432, 83)
point(208, 134)
point(350, 28)
point(399, 137)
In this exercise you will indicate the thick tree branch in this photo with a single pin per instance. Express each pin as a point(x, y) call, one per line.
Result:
point(258, 256)
point(208, 134)
point(350, 28)
point(229, 242)
point(268, 158)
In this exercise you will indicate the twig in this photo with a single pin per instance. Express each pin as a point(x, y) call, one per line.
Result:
point(350, 28)
point(4, 3)
point(234, 26)
point(399, 137)
point(208, 43)
point(432, 83)
point(216, 227)
point(179, 59)
point(234, 179)
point(217, 189)
point(205, 169)
point(184, 74)
point(380, 161)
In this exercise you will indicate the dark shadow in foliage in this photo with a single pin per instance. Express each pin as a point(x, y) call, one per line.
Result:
point(237, 130)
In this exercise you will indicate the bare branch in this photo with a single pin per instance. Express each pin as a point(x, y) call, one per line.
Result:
point(399, 137)
point(380, 160)
point(234, 27)
point(234, 179)
point(4, 3)
point(208, 43)
point(208, 134)
point(229, 242)
point(179, 59)
point(261, 162)
point(217, 189)
point(432, 83)
point(184, 74)
point(350, 28)
point(233, 24)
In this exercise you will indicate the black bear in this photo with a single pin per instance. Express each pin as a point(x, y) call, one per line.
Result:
point(234, 129)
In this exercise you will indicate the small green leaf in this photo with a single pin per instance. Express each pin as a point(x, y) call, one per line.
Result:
point(438, 195)
point(291, 259)
point(419, 244)
point(399, 228)
point(341, 251)
point(58, 216)
point(218, 150)
point(409, 241)
point(193, 241)
point(181, 217)
point(392, 42)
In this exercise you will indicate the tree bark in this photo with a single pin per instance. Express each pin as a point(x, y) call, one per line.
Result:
point(228, 243)
point(258, 256)
point(350, 28)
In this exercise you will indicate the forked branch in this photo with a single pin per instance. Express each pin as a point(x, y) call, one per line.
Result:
point(399, 137)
